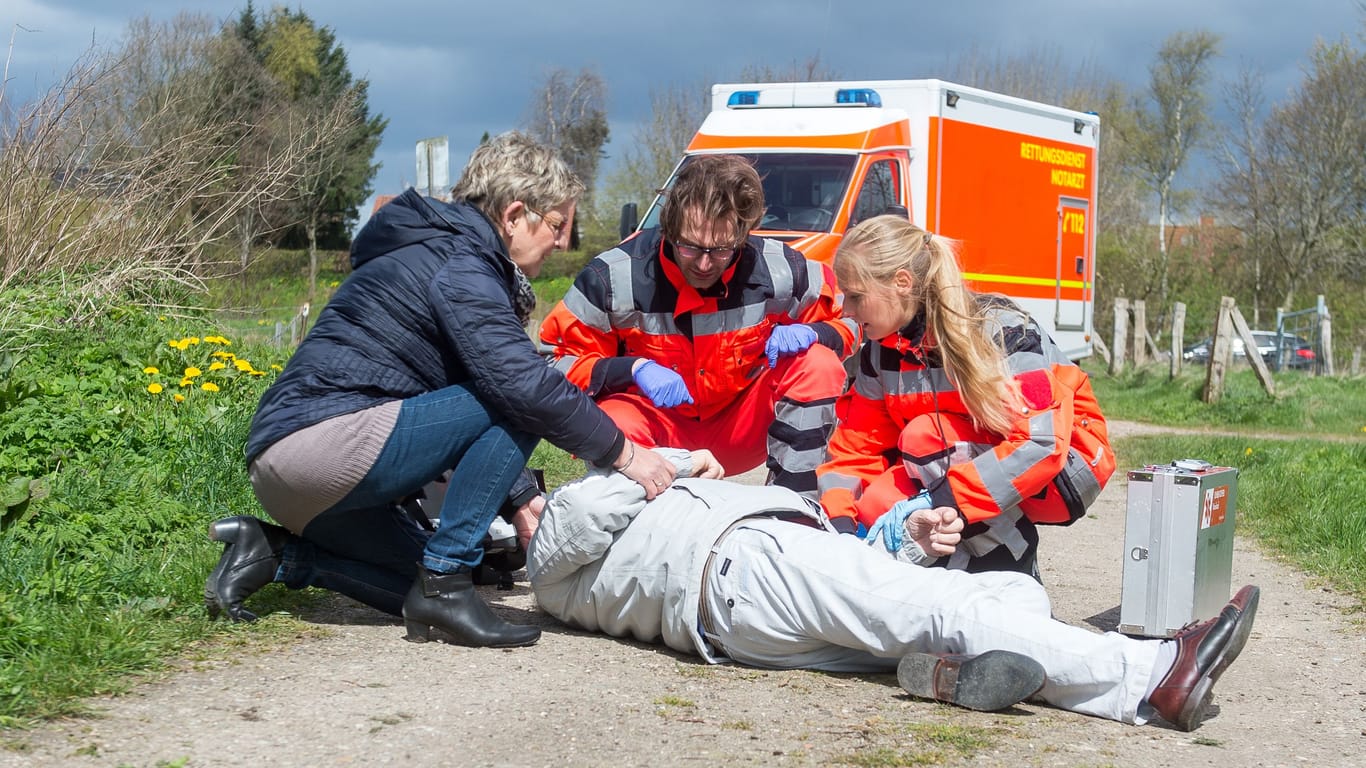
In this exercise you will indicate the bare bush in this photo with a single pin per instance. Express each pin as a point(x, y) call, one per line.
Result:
point(113, 191)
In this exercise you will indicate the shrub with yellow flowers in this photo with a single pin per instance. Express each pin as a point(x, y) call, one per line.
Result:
point(192, 367)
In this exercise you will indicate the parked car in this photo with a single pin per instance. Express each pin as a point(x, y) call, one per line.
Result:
point(1297, 353)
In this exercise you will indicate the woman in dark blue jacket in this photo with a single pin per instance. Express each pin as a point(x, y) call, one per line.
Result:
point(420, 364)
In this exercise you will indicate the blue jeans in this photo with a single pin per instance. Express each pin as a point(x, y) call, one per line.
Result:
point(367, 548)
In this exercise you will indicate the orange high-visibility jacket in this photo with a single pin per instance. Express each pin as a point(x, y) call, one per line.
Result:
point(1052, 464)
point(632, 302)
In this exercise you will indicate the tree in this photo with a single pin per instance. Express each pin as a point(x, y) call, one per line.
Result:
point(569, 113)
point(123, 175)
point(675, 113)
point(321, 101)
point(1295, 182)
point(1170, 126)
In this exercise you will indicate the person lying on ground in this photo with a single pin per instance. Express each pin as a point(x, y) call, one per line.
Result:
point(757, 575)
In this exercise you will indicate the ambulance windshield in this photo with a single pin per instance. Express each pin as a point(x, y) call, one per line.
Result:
point(803, 190)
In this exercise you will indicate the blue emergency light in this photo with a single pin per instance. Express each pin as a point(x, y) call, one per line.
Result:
point(865, 96)
point(743, 99)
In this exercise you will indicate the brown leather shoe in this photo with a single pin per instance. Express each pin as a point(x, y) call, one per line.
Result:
point(986, 682)
point(1203, 652)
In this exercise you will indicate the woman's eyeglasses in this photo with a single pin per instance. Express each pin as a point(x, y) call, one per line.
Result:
point(556, 224)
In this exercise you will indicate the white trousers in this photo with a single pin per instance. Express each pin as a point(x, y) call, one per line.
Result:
point(783, 595)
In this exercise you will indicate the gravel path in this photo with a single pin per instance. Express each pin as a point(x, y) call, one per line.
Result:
point(354, 693)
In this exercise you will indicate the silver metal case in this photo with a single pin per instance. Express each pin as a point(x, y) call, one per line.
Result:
point(1178, 546)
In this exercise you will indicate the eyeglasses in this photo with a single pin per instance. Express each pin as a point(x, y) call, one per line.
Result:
point(690, 251)
point(556, 225)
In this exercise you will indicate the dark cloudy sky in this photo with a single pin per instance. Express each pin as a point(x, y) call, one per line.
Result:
point(460, 68)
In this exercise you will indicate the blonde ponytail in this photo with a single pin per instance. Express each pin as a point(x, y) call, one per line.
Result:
point(955, 323)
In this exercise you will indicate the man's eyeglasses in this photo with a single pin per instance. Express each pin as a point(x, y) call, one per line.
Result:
point(556, 224)
point(690, 251)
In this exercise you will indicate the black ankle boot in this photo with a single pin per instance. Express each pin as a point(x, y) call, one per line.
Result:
point(446, 606)
point(251, 556)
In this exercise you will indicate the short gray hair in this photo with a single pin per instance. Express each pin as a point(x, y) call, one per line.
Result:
point(513, 166)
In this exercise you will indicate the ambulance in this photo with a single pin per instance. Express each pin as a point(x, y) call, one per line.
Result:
point(1013, 181)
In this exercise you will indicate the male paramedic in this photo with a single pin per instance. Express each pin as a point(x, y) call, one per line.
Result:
point(757, 575)
point(698, 334)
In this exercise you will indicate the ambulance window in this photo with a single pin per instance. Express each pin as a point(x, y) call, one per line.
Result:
point(879, 191)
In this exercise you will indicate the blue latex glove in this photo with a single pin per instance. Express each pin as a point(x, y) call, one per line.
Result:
point(892, 525)
point(663, 386)
point(788, 340)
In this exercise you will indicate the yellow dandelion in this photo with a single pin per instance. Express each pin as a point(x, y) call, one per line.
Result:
point(154, 388)
point(209, 386)
point(262, 321)
point(181, 345)
point(242, 365)
point(193, 340)
point(173, 344)
point(222, 355)
point(276, 367)
point(151, 370)
point(1248, 452)
point(192, 372)
point(179, 398)
point(216, 366)
point(186, 382)
point(161, 318)
point(256, 373)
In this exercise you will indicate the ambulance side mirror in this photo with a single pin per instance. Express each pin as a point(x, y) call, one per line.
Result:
point(630, 219)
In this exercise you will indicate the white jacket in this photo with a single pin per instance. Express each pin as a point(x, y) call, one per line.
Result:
point(605, 560)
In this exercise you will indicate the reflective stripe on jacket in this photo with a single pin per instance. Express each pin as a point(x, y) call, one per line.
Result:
point(1052, 464)
point(626, 305)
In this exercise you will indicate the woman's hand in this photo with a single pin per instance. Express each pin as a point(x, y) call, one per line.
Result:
point(704, 464)
point(652, 471)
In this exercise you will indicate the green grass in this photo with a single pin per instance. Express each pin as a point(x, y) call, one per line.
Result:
point(1300, 498)
point(1300, 456)
point(106, 488)
point(1304, 404)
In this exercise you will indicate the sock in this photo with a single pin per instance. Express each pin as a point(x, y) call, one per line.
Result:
point(1166, 657)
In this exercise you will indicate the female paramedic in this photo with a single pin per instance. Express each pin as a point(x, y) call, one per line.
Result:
point(960, 400)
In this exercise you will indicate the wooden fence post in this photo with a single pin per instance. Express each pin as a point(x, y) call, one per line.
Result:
point(1140, 331)
point(1250, 351)
point(1121, 332)
point(1326, 337)
point(1219, 352)
point(1178, 331)
point(1103, 350)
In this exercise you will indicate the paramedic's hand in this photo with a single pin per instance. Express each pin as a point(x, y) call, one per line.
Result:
point(937, 530)
point(663, 386)
point(788, 340)
point(892, 524)
point(527, 518)
point(704, 464)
